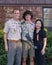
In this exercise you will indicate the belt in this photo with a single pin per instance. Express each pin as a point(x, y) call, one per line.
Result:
point(15, 41)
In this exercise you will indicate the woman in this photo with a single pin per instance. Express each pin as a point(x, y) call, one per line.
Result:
point(39, 38)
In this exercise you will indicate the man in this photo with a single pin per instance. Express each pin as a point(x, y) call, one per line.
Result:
point(27, 33)
point(12, 39)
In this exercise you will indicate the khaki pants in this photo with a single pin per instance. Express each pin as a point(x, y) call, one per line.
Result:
point(14, 53)
point(27, 49)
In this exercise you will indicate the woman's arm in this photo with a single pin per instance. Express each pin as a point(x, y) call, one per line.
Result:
point(45, 41)
point(44, 46)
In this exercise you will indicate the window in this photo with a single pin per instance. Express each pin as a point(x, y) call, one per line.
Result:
point(47, 17)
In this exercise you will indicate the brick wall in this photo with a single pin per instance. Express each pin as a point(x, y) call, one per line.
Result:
point(6, 12)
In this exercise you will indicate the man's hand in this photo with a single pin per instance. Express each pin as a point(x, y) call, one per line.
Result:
point(6, 48)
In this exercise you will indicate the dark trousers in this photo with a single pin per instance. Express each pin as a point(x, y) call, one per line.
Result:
point(40, 59)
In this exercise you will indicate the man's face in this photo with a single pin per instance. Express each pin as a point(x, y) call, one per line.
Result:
point(16, 14)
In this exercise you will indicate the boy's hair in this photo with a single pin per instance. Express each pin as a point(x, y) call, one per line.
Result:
point(27, 12)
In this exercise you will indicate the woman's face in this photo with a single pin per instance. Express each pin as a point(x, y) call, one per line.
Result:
point(38, 25)
point(28, 17)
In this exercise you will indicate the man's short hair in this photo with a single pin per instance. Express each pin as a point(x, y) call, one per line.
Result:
point(15, 10)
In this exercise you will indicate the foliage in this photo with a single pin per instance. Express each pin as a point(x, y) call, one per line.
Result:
point(3, 54)
point(49, 45)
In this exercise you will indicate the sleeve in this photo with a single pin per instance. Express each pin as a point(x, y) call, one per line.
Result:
point(20, 27)
point(34, 36)
point(20, 30)
point(33, 27)
point(44, 34)
point(6, 27)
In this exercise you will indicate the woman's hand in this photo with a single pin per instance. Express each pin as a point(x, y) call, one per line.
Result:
point(44, 46)
point(43, 51)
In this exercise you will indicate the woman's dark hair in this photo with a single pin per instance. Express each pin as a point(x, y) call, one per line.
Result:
point(27, 12)
point(42, 26)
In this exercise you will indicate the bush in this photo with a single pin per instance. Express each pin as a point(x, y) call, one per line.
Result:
point(3, 54)
point(49, 45)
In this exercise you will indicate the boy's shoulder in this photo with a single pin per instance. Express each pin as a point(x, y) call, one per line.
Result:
point(23, 22)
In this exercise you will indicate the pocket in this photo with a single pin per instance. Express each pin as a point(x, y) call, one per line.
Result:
point(19, 44)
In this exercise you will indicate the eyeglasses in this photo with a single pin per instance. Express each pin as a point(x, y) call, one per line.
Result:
point(16, 13)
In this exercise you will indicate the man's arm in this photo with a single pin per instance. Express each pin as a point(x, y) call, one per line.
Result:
point(5, 41)
point(6, 30)
point(30, 41)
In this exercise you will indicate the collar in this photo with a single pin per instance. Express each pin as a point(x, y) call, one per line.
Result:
point(15, 22)
point(29, 22)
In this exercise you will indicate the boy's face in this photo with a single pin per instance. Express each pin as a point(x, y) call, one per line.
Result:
point(28, 17)
point(38, 25)
point(16, 14)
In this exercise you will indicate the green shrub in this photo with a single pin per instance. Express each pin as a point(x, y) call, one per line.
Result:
point(3, 54)
point(49, 45)
point(49, 63)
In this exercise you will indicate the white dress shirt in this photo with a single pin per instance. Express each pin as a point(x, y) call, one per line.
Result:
point(13, 29)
